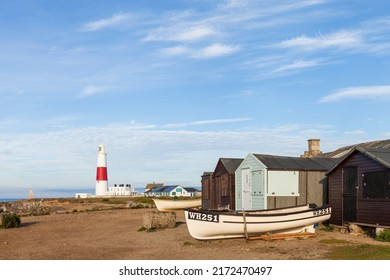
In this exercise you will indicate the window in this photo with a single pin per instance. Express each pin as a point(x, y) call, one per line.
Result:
point(376, 184)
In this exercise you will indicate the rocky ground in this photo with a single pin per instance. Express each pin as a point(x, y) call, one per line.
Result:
point(83, 231)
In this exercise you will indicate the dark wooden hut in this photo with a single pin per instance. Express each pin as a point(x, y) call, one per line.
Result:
point(208, 199)
point(224, 182)
point(218, 187)
point(359, 187)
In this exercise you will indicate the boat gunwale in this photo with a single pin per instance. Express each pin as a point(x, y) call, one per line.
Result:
point(257, 213)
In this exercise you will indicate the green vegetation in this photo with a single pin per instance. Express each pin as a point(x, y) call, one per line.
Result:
point(145, 200)
point(114, 201)
point(328, 228)
point(384, 236)
point(10, 221)
point(360, 252)
point(188, 243)
point(331, 241)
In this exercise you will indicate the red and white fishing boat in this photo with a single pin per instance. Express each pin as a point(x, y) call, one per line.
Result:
point(214, 224)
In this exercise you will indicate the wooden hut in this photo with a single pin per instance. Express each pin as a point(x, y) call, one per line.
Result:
point(359, 187)
point(218, 187)
point(224, 182)
point(208, 199)
point(268, 182)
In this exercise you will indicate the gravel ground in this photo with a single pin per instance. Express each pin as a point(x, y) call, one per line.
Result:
point(115, 235)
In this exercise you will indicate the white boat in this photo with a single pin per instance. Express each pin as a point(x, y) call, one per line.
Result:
point(214, 224)
point(173, 205)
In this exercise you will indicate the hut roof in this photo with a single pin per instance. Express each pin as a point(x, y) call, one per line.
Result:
point(297, 163)
point(231, 164)
point(381, 155)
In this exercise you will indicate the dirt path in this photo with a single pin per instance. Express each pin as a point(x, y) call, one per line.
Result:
point(114, 235)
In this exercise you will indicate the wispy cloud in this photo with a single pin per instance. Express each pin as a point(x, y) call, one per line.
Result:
point(114, 20)
point(215, 50)
point(298, 65)
point(180, 33)
point(369, 92)
point(91, 90)
point(207, 122)
point(339, 40)
point(176, 51)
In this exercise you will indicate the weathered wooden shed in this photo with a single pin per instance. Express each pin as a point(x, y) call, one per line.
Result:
point(224, 182)
point(359, 187)
point(268, 181)
point(218, 187)
point(208, 199)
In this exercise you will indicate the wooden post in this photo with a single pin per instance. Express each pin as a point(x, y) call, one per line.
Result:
point(245, 229)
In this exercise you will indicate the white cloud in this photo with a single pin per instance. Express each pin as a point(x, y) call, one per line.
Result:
point(180, 33)
point(369, 92)
point(195, 34)
point(215, 50)
point(177, 50)
point(91, 90)
point(219, 121)
point(298, 65)
point(114, 20)
point(340, 40)
point(206, 122)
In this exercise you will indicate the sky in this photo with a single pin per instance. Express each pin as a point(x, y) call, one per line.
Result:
point(169, 87)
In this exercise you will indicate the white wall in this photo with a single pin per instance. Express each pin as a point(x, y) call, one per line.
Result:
point(283, 183)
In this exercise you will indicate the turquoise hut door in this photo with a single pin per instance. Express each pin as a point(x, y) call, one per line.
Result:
point(258, 200)
point(246, 189)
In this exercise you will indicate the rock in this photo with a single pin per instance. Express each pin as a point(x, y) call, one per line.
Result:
point(159, 220)
point(355, 229)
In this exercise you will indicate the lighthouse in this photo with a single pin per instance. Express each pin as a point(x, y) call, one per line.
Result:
point(101, 172)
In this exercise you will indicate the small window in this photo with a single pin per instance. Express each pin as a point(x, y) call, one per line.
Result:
point(376, 185)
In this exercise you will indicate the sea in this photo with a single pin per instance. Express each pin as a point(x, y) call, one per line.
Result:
point(9, 199)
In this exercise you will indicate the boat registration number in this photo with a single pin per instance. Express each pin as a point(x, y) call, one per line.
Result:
point(323, 211)
point(207, 217)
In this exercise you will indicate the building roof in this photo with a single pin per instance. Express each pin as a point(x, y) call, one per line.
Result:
point(343, 151)
point(151, 186)
point(231, 164)
point(381, 155)
point(296, 163)
point(171, 188)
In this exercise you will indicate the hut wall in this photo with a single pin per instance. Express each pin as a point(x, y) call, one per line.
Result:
point(312, 189)
point(208, 197)
point(370, 211)
point(221, 186)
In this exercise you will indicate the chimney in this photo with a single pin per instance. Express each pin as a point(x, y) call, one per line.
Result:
point(313, 148)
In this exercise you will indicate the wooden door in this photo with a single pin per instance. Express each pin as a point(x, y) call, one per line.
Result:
point(246, 189)
point(350, 188)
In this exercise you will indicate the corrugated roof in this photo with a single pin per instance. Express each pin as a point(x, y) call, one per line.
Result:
point(378, 154)
point(170, 188)
point(296, 163)
point(381, 155)
point(231, 164)
point(382, 144)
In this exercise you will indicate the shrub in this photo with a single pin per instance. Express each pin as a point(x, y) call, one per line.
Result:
point(10, 221)
point(383, 236)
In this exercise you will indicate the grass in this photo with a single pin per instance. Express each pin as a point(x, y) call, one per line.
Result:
point(360, 252)
point(332, 241)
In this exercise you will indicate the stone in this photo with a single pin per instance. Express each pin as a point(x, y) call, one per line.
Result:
point(159, 220)
point(355, 229)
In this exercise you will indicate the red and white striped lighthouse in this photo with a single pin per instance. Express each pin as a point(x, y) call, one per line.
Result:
point(101, 172)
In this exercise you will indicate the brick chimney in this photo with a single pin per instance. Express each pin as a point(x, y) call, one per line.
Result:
point(313, 148)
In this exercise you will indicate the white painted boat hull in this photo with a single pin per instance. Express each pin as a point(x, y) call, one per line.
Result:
point(205, 225)
point(173, 205)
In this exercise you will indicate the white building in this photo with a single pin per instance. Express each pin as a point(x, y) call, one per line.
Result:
point(121, 189)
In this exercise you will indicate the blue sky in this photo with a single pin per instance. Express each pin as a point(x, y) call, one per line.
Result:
point(171, 86)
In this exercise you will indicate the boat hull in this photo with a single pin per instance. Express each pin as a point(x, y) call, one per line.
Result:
point(173, 205)
point(205, 225)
